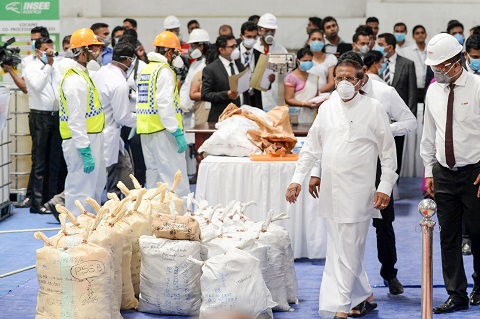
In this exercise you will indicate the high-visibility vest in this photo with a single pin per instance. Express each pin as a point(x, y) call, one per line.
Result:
point(94, 116)
point(148, 120)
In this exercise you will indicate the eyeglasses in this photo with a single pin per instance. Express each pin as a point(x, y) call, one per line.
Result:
point(233, 46)
point(350, 79)
point(443, 68)
point(128, 58)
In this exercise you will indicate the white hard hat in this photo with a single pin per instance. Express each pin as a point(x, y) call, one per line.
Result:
point(268, 21)
point(171, 22)
point(198, 35)
point(442, 47)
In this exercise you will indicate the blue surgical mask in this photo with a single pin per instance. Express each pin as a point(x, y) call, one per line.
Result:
point(460, 38)
point(316, 46)
point(44, 57)
point(380, 49)
point(306, 65)
point(474, 63)
point(400, 37)
point(382, 69)
point(33, 45)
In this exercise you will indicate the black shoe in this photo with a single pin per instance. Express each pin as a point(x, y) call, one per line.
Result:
point(394, 286)
point(41, 210)
point(49, 206)
point(451, 306)
point(475, 296)
point(466, 248)
point(24, 203)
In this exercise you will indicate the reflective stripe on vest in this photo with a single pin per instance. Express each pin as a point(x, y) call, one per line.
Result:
point(94, 117)
point(148, 119)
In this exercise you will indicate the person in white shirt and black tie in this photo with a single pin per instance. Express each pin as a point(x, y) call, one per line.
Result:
point(450, 150)
point(248, 36)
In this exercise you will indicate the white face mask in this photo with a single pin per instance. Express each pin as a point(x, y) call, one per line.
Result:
point(93, 65)
point(178, 62)
point(195, 54)
point(364, 49)
point(235, 54)
point(346, 90)
point(249, 43)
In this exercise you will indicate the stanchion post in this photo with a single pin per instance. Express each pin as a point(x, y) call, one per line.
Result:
point(427, 209)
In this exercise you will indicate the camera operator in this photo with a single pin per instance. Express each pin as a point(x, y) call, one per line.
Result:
point(43, 80)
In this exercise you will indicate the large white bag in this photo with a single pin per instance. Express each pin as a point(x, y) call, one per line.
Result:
point(168, 284)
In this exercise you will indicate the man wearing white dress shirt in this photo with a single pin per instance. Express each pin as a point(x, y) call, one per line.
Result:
point(400, 33)
point(112, 86)
point(450, 150)
point(402, 122)
point(349, 126)
point(248, 35)
point(417, 53)
point(42, 80)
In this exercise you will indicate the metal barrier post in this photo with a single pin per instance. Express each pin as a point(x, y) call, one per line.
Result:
point(427, 209)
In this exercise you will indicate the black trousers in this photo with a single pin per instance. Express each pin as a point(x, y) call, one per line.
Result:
point(386, 248)
point(457, 200)
point(47, 177)
point(134, 147)
point(399, 142)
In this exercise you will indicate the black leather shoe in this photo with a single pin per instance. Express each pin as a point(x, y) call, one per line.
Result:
point(466, 248)
point(24, 203)
point(475, 296)
point(49, 206)
point(394, 286)
point(451, 306)
point(42, 210)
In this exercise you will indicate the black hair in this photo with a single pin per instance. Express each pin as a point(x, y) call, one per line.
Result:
point(98, 25)
point(389, 39)
point(121, 50)
point(131, 32)
point(364, 28)
point(372, 57)
point(454, 25)
point(66, 40)
point(400, 24)
point(314, 31)
point(211, 56)
point(372, 20)
point(192, 22)
point(357, 35)
point(39, 42)
point(352, 55)
point(326, 20)
point(224, 27)
point(125, 38)
point(418, 27)
point(253, 17)
point(473, 43)
point(133, 22)
point(316, 21)
point(475, 29)
point(452, 21)
point(222, 41)
point(116, 29)
point(42, 30)
point(347, 62)
point(248, 26)
point(303, 52)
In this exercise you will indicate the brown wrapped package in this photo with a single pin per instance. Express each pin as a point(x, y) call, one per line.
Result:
point(276, 139)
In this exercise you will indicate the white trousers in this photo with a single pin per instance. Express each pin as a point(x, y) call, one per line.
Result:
point(162, 161)
point(78, 185)
point(345, 282)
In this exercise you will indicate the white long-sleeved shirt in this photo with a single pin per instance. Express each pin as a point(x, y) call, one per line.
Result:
point(113, 89)
point(466, 121)
point(43, 82)
point(418, 57)
point(75, 90)
point(185, 101)
point(403, 119)
point(164, 96)
point(348, 137)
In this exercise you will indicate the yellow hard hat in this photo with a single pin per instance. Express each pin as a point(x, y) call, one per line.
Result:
point(83, 38)
point(167, 39)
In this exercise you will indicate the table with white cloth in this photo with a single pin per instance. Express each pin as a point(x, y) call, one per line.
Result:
point(222, 179)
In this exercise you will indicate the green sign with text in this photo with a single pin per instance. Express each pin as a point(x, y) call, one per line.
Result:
point(29, 10)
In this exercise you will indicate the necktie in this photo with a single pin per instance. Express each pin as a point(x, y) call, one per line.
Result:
point(449, 154)
point(387, 77)
point(232, 70)
point(247, 58)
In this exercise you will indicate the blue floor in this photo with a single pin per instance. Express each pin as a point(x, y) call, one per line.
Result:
point(18, 292)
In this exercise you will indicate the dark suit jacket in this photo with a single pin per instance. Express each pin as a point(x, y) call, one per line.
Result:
point(215, 86)
point(405, 82)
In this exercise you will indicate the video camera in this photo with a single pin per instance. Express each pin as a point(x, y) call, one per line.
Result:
point(9, 56)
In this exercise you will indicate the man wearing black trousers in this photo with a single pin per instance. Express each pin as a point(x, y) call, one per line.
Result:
point(450, 150)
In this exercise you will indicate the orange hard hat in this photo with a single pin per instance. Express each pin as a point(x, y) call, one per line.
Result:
point(167, 39)
point(83, 38)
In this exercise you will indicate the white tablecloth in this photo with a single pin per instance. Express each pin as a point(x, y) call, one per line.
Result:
point(222, 179)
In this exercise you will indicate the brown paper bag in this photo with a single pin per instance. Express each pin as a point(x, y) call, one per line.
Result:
point(176, 227)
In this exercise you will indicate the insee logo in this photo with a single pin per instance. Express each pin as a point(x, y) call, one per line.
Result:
point(33, 7)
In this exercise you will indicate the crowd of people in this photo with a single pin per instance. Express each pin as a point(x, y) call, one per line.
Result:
point(115, 109)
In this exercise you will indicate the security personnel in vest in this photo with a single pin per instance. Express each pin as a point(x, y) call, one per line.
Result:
point(159, 117)
point(81, 122)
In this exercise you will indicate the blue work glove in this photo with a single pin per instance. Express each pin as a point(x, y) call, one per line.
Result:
point(181, 141)
point(88, 162)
